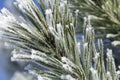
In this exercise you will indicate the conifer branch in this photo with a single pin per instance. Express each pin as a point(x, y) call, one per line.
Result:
point(46, 37)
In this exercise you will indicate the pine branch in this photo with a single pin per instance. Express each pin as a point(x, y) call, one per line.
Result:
point(46, 36)
point(105, 13)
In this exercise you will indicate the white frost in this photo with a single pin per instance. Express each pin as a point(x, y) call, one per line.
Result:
point(67, 77)
point(111, 35)
point(93, 70)
point(64, 59)
point(77, 11)
point(33, 51)
point(115, 43)
point(49, 17)
point(67, 67)
point(48, 11)
point(85, 45)
point(109, 54)
point(118, 72)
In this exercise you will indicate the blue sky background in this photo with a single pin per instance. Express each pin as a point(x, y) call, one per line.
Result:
point(6, 71)
point(2, 3)
point(3, 62)
point(7, 4)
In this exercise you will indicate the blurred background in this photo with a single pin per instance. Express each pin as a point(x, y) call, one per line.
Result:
point(8, 68)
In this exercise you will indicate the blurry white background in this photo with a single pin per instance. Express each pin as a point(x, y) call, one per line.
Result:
point(7, 68)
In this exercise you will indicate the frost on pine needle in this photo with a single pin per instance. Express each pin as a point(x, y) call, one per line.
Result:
point(116, 43)
point(112, 35)
point(49, 17)
point(43, 78)
point(94, 74)
point(67, 77)
point(109, 77)
point(67, 67)
point(46, 36)
point(5, 17)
